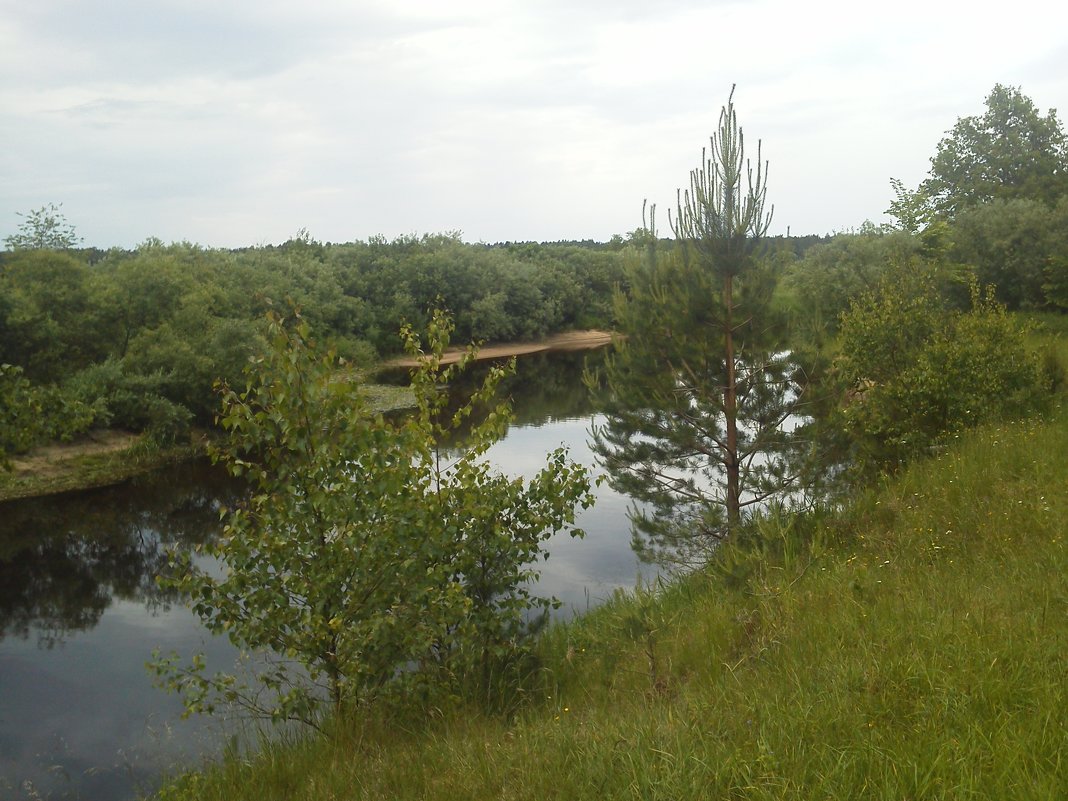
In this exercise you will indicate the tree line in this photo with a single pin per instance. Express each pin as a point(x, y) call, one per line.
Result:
point(136, 339)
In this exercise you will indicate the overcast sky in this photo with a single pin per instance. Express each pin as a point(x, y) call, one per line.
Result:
point(239, 122)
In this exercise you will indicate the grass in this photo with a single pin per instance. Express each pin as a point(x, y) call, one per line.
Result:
point(910, 646)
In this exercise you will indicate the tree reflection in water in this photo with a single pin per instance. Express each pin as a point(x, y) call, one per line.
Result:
point(547, 388)
point(64, 559)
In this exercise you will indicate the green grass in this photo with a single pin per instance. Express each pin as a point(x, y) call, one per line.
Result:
point(911, 646)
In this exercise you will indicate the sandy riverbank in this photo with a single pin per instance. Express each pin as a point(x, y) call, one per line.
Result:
point(108, 457)
point(571, 340)
point(98, 459)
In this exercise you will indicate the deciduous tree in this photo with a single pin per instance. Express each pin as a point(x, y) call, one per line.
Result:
point(1010, 152)
point(1012, 245)
point(367, 554)
point(45, 228)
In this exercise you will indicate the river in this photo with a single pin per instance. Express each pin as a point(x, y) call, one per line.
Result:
point(80, 612)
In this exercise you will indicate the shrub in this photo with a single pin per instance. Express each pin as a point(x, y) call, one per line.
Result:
point(366, 556)
point(914, 373)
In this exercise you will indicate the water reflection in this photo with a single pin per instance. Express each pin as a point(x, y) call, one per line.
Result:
point(580, 572)
point(80, 611)
point(64, 560)
point(546, 387)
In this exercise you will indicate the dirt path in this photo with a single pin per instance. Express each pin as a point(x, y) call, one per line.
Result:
point(572, 340)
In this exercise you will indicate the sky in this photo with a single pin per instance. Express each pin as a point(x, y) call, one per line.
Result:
point(233, 123)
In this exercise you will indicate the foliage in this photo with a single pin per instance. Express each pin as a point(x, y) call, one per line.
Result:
point(18, 417)
point(1020, 246)
point(180, 316)
point(698, 392)
point(45, 228)
point(1055, 274)
point(30, 414)
point(994, 201)
point(365, 556)
point(912, 210)
point(829, 276)
point(915, 373)
point(493, 526)
point(909, 645)
point(130, 400)
point(47, 321)
point(1010, 152)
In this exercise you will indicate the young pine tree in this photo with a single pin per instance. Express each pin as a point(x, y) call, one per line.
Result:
point(698, 392)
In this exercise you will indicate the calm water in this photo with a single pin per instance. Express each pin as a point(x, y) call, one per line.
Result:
point(80, 612)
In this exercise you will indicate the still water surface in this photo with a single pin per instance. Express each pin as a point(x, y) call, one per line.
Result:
point(80, 612)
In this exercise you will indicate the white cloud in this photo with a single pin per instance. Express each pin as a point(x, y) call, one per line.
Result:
point(238, 123)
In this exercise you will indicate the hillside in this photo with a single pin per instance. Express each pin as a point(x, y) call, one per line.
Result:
point(910, 646)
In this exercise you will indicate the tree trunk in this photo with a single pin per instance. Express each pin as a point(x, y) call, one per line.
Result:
point(730, 412)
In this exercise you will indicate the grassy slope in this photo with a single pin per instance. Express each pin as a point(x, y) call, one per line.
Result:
point(911, 647)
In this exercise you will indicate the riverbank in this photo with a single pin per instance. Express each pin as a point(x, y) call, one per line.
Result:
point(104, 458)
point(571, 340)
point(98, 459)
point(908, 646)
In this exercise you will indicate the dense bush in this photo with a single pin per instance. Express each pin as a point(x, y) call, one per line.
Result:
point(153, 329)
point(131, 401)
point(31, 414)
point(1020, 247)
point(829, 276)
point(362, 559)
point(915, 372)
